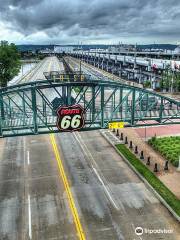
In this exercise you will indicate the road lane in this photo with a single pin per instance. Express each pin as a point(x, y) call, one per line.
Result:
point(112, 201)
point(33, 201)
point(36, 73)
point(68, 191)
point(11, 189)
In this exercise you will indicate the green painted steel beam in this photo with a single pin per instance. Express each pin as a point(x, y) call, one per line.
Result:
point(28, 108)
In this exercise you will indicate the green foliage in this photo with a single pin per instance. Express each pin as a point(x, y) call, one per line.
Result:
point(169, 147)
point(9, 62)
point(165, 193)
point(170, 80)
point(77, 89)
point(147, 84)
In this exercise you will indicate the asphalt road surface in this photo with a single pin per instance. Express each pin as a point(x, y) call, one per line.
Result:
point(110, 200)
point(37, 72)
point(73, 186)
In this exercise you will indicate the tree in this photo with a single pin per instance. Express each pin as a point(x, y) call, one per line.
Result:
point(170, 80)
point(147, 84)
point(9, 62)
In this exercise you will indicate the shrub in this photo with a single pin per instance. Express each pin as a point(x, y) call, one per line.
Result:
point(168, 147)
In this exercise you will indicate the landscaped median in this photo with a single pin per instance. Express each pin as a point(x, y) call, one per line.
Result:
point(151, 178)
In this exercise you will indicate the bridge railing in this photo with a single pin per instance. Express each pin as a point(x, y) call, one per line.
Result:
point(31, 108)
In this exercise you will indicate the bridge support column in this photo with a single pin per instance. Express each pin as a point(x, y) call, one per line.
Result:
point(68, 95)
point(93, 103)
point(161, 110)
point(107, 66)
point(133, 107)
point(2, 114)
point(64, 95)
point(33, 96)
point(120, 101)
point(2, 107)
point(102, 65)
point(102, 106)
point(94, 64)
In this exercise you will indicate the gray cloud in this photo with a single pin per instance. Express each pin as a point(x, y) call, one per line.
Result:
point(73, 20)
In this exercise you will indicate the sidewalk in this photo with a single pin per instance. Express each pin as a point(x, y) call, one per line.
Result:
point(170, 178)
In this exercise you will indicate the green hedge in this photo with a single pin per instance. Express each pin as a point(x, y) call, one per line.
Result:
point(163, 191)
point(169, 147)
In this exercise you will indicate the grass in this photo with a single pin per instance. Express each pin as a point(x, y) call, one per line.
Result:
point(163, 191)
point(168, 147)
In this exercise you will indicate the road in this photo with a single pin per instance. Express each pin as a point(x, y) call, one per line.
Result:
point(110, 199)
point(37, 72)
point(73, 186)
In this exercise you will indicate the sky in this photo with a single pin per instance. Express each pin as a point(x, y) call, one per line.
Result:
point(90, 21)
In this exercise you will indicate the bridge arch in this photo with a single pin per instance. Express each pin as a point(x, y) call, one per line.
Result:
point(31, 108)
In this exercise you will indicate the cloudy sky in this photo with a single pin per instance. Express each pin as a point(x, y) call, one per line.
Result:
point(90, 21)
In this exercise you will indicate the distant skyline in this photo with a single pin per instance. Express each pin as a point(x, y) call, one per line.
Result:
point(90, 22)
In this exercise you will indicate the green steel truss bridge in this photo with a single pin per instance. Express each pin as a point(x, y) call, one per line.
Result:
point(30, 108)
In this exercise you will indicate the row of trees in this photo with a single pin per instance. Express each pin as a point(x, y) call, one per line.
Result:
point(9, 62)
point(170, 80)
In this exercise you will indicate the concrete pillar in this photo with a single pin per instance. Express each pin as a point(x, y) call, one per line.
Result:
point(107, 66)
point(99, 60)
point(135, 65)
point(94, 59)
point(124, 61)
point(116, 59)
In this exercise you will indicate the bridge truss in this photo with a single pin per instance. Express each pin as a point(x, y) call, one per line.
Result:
point(31, 108)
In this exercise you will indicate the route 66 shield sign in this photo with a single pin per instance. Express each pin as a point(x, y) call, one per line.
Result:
point(70, 118)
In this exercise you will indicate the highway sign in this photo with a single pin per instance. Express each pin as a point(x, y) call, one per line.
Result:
point(70, 118)
point(59, 76)
point(114, 125)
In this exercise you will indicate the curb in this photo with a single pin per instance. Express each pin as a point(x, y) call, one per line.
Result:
point(144, 180)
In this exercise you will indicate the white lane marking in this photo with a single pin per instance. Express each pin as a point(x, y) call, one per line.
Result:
point(105, 188)
point(28, 159)
point(29, 216)
point(88, 154)
point(84, 148)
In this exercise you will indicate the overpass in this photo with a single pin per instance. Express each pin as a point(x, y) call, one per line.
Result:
point(126, 59)
point(132, 68)
point(30, 108)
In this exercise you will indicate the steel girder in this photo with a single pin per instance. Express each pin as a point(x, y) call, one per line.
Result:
point(31, 108)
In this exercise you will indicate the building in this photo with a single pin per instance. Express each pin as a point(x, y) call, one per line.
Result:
point(61, 49)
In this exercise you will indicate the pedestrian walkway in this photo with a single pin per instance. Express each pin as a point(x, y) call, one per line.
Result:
point(170, 178)
point(168, 130)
